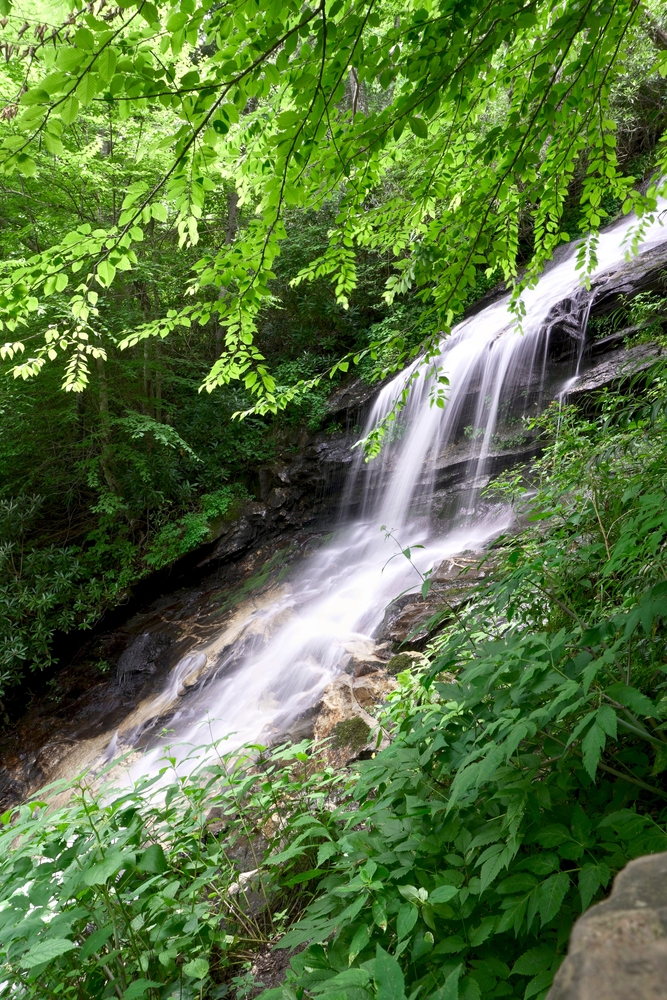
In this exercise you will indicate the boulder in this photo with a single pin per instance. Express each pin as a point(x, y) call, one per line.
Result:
point(343, 717)
point(618, 948)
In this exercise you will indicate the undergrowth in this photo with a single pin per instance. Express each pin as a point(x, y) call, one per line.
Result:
point(162, 889)
point(527, 759)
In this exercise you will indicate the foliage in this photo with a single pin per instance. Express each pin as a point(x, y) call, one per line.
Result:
point(130, 892)
point(641, 315)
point(179, 537)
point(429, 162)
point(182, 190)
point(41, 590)
point(523, 773)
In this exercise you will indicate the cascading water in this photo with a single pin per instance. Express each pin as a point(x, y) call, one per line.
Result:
point(286, 653)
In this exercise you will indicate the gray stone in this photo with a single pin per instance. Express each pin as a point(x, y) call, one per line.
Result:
point(618, 949)
point(619, 367)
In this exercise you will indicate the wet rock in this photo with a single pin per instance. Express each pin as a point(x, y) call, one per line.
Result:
point(361, 668)
point(350, 399)
point(372, 688)
point(232, 538)
point(567, 322)
point(141, 656)
point(278, 497)
point(411, 620)
point(618, 949)
point(622, 365)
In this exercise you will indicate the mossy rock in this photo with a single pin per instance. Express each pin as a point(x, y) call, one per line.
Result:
point(402, 661)
point(353, 733)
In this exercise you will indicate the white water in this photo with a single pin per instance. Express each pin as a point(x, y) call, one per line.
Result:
point(333, 606)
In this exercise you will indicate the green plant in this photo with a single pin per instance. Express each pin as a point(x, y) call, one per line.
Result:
point(137, 892)
point(644, 310)
point(179, 537)
point(42, 589)
point(349, 108)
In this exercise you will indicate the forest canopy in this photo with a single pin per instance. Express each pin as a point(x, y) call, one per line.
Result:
point(436, 131)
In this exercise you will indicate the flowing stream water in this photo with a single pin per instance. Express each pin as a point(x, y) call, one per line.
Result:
point(286, 653)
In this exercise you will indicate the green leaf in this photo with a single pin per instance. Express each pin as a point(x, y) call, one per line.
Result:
point(533, 961)
point(106, 64)
point(87, 89)
point(138, 988)
point(469, 989)
point(521, 882)
point(326, 851)
point(419, 127)
point(550, 896)
point(359, 942)
point(153, 860)
point(379, 912)
point(591, 877)
point(633, 699)
point(100, 873)
point(46, 951)
point(480, 934)
point(540, 983)
point(150, 13)
point(407, 918)
point(197, 969)
point(26, 165)
point(106, 272)
point(95, 941)
point(450, 991)
point(389, 979)
point(592, 745)
point(69, 110)
point(159, 211)
point(413, 894)
point(553, 834)
point(443, 894)
point(84, 38)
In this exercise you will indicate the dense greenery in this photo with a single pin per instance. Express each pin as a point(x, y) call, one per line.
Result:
point(527, 760)
point(437, 128)
point(125, 892)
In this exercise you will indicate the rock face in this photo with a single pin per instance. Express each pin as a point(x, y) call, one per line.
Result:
point(618, 949)
point(620, 366)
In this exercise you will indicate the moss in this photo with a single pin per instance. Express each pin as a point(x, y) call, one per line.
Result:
point(279, 561)
point(400, 662)
point(353, 733)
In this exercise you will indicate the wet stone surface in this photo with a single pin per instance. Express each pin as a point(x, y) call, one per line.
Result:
point(113, 673)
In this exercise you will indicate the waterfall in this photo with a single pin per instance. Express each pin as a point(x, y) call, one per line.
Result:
point(286, 653)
